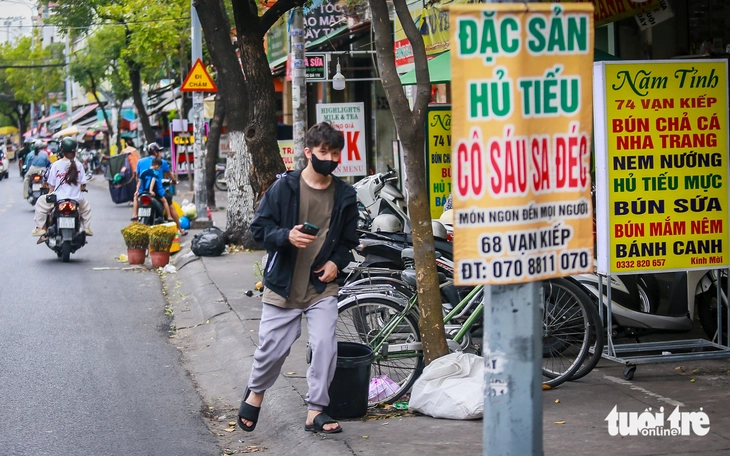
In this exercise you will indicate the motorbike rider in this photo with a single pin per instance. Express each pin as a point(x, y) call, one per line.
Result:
point(67, 180)
point(23, 153)
point(164, 171)
point(37, 161)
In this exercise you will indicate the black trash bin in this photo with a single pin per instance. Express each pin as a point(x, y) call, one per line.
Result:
point(349, 388)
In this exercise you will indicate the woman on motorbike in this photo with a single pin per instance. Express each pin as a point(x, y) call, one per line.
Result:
point(67, 181)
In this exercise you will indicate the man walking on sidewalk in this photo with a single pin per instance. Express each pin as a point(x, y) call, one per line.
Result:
point(307, 221)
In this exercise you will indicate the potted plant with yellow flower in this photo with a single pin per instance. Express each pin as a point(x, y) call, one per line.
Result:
point(161, 237)
point(136, 236)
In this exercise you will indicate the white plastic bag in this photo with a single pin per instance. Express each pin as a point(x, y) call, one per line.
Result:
point(451, 387)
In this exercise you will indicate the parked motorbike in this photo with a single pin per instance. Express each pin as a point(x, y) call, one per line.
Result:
point(376, 195)
point(4, 165)
point(64, 234)
point(220, 177)
point(36, 189)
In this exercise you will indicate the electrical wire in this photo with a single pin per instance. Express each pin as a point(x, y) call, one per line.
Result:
point(97, 24)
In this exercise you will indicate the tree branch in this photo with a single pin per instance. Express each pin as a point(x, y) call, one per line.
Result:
point(420, 62)
point(269, 18)
point(386, 59)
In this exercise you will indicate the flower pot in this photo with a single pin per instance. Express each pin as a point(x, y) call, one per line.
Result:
point(159, 259)
point(135, 256)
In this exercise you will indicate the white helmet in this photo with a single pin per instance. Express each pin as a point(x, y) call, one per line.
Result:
point(447, 218)
point(39, 144)
point(386, 223)
point(439, 231)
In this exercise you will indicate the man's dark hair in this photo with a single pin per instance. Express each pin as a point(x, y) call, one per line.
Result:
point(326, 136)
point(157, 161)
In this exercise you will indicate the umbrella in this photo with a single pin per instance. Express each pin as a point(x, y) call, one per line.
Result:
point(8, 130)
point(70, 131)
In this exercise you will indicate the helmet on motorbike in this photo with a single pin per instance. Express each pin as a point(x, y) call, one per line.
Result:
point(439, 231)
point(68, 145)
point(386, 223)
point(447, 219)
point(39, 144)
point(153, 148)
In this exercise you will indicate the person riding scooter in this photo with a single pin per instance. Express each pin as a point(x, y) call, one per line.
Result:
point(67, 180)
point(37, 161)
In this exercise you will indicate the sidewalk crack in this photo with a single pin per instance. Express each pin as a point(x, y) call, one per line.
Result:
point(207, 321)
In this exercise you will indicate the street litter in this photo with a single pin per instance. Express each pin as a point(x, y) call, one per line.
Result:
point(381, 386)
point(211, 242)
point(451, 387)
point(122, 258)
point(169, 269)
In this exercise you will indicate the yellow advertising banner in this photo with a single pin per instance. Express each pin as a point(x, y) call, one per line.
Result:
point(286, 149)
point(662, 165)
point(522, 112)
point(607, 11)
point(438, 157)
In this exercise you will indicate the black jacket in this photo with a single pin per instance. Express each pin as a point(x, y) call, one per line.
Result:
point(277, 215)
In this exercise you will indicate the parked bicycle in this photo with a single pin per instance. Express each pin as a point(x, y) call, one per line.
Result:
point(382, 312)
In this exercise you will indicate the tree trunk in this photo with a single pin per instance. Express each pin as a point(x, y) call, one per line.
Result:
point(119, 128)
point(135, 78)
point(231, 87)
point(410, 126)
point(214, 137)
point(110, 129)
point(22, 122)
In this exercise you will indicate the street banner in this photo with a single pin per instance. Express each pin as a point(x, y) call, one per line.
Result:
point(438, 157)
point(650, 19)
point(607, 11)
point(521, 141)
point(286, 149)
point(349, 118)
point(661, 165)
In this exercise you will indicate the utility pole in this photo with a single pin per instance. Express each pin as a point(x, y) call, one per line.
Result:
point(69, 109)
point(199, 150)
point(512, 349)
point(298, 87)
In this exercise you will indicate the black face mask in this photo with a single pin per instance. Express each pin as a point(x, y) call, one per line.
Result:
point(323, 167)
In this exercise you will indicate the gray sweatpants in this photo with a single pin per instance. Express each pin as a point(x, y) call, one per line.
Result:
point(279, 329)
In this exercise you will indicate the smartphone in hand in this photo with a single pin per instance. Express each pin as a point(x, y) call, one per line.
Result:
point(310, 229)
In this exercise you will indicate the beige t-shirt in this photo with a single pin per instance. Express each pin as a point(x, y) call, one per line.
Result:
point(315, 207)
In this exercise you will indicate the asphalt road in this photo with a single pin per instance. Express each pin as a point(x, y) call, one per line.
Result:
point(85, 363)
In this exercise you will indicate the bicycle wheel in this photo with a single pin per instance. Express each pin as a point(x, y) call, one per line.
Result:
point(364, 321)
point(597, 341)
point(566, 330)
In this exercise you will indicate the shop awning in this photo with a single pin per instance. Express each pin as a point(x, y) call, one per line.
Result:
point(329, 36)
point(278, 64)
point(439, 70)
point(83, 112)
point(53, 116)
point(439, 67)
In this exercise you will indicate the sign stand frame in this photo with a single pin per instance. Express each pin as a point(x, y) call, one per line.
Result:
point(611, 352)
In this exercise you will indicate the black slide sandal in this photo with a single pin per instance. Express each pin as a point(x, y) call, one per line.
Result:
point(247, 412)
point(319, 422)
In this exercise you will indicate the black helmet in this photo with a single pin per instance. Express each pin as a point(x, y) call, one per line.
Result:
point(153, 148)
point(68, 145)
